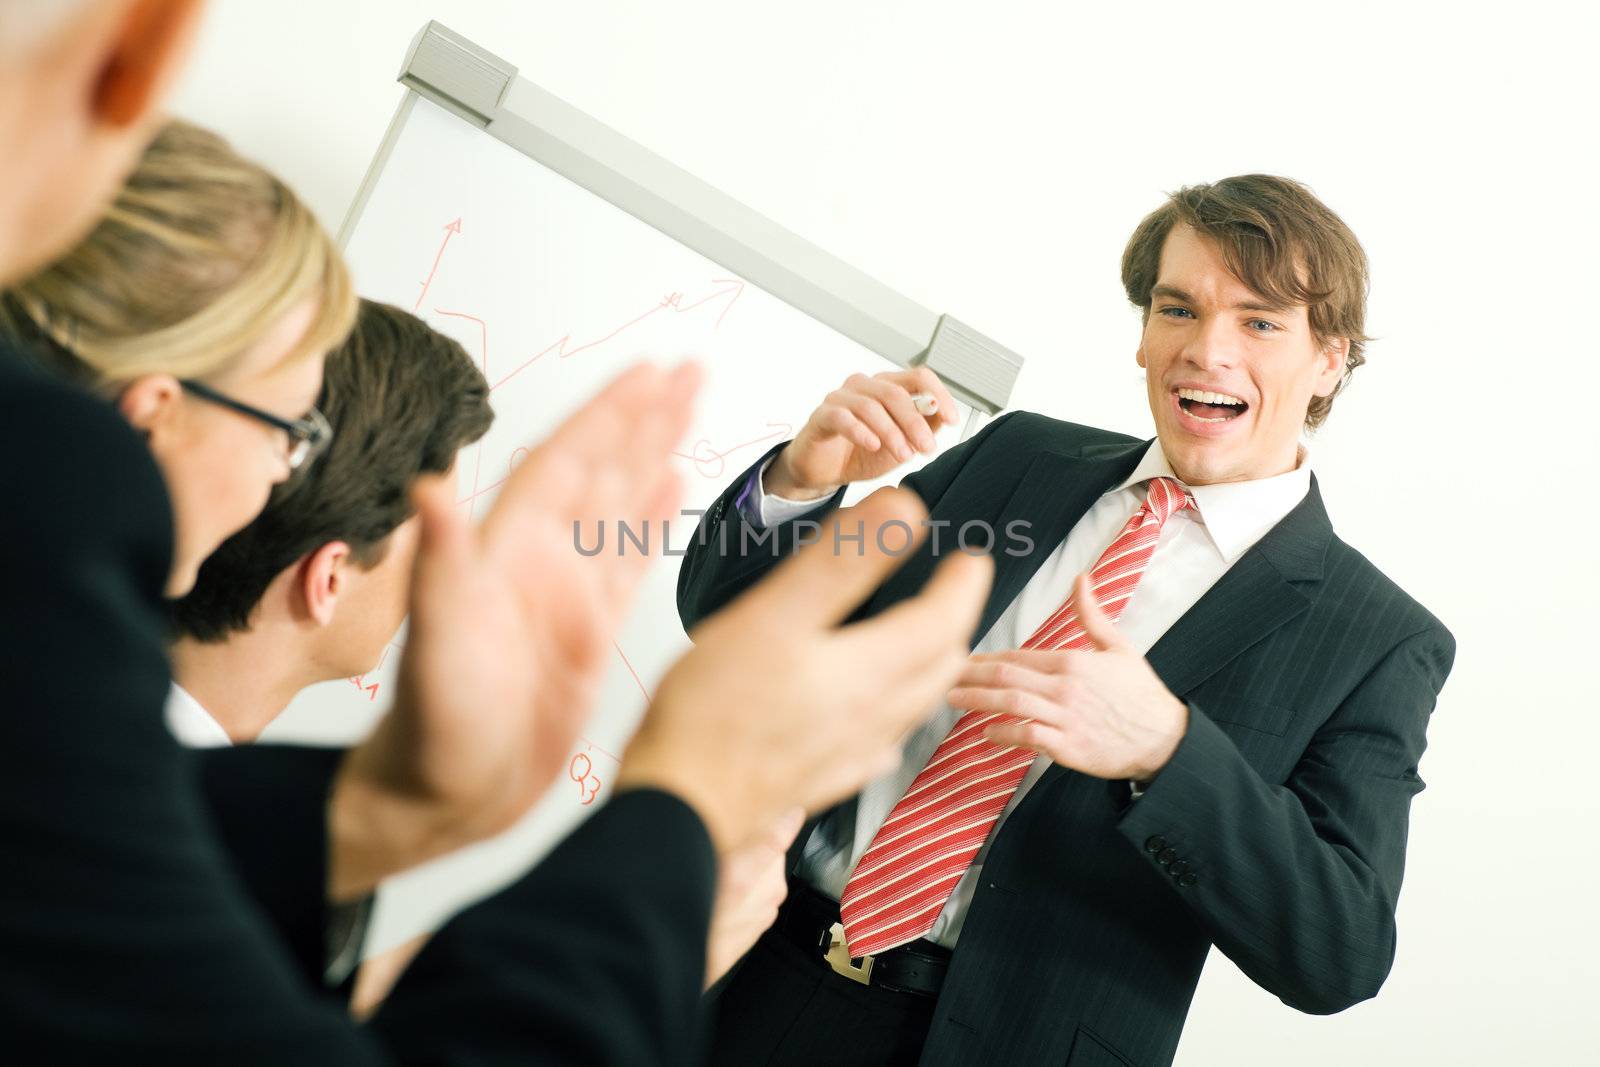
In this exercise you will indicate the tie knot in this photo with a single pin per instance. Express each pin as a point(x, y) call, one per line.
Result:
point(1166, 498)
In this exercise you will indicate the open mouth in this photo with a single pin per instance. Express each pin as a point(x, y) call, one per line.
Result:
point(1211, 407)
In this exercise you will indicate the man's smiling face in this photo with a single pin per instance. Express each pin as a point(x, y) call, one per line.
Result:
point(1229, 373)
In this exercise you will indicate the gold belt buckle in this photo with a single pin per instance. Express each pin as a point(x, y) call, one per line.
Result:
point(838, 958)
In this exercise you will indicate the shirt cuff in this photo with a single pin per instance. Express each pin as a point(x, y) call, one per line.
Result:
point(762, 509)
point(346, 934)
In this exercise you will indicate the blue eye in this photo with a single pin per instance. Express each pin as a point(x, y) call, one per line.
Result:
point(1262, 325)
point(1176, 312)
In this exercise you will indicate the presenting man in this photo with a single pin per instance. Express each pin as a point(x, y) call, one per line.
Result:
point(1193, 716)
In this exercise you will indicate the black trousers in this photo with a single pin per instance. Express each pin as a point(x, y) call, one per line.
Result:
point(784, 1007)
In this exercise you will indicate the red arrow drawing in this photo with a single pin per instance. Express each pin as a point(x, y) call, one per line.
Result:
point(733, 288)
point(450, 230)
point(360, 680)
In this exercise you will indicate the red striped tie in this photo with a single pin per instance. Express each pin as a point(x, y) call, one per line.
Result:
point(918, 856)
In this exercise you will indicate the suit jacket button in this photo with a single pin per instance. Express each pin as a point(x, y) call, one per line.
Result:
point(1155, 844)
point(1166, 856)
point(1180, 868)
point(1188, 880)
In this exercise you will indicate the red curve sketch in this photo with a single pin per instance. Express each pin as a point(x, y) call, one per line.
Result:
point(581, 767)
point(713, 465)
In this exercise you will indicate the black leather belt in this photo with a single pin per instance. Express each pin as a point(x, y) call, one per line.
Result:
point(811, 921)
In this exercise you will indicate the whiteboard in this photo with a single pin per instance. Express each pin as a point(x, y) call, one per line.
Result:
point(553, 290)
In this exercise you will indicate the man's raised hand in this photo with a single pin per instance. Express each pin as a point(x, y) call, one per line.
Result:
point(862, 430)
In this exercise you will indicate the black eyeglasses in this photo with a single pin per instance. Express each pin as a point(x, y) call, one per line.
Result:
point(308, 437)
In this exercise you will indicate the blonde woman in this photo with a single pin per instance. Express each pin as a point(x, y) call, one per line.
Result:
point(203, 304)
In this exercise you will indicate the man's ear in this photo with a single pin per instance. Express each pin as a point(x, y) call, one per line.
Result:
point(151, 402)
point(1331, 365)
point(324, 577)
point(145, 56)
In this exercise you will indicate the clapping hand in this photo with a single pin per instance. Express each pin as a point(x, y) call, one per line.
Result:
point(510, 634)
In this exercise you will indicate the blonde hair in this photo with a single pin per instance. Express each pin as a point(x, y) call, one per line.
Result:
point(201, 254)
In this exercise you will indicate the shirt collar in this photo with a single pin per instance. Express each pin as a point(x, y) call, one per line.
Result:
point(1235, 514)
point(191, 723)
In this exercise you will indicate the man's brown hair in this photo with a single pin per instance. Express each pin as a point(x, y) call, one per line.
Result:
point(1278, 239)
point(402, 400)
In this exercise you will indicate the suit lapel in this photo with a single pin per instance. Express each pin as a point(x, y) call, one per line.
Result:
point(1259, 593)
point(1053, 494)
point(1254, 597)
point(1269, 585)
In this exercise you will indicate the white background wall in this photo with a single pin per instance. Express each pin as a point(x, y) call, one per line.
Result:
point(990, 161)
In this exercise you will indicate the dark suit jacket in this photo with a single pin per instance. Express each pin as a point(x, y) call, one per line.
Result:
point(144, 921)
point(1278, 830)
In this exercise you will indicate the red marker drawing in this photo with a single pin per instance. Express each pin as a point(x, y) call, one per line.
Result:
point(711, 466)
point(732, 288)
point(360, 680)
point(631, 671)
point(511, 465)
point(578, 770)
point(483, 332)
point(450, 230)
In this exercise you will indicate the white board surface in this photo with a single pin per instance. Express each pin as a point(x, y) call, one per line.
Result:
point(553, 290)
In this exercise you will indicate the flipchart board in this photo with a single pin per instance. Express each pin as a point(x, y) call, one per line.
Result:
point(553, 289)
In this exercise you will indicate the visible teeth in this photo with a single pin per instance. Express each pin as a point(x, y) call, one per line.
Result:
point(1203, 396)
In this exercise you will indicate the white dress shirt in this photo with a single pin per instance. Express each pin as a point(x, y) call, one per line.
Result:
point(1194, 550)
point(191, 723)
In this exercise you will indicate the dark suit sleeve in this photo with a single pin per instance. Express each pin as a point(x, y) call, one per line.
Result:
point(126, 931)
point(268, 806)
point(121, 925)
point(610, 975)
point(728, 555)
point(1298, 883)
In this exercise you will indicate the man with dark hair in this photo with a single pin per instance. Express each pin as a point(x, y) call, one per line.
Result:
point(316, 585)
point(1041, 878)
